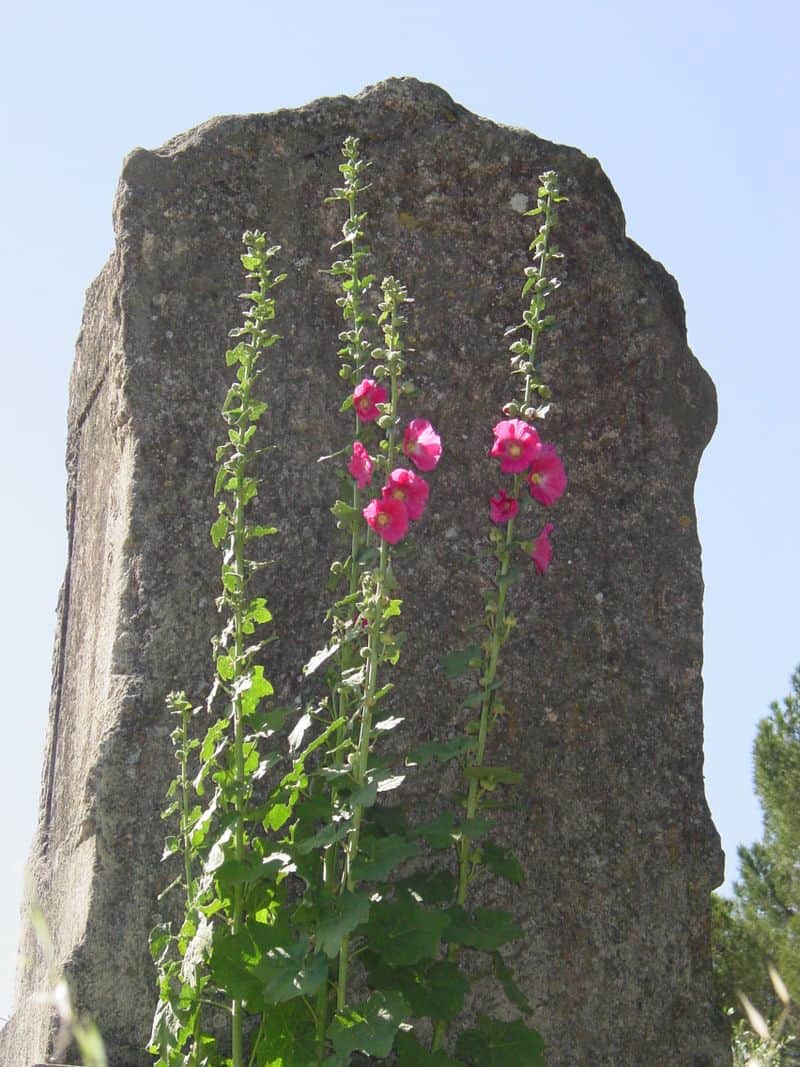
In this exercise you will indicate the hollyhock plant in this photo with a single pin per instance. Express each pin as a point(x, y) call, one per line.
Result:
point(410, 488)
point(515, 444)
point(360, 465)
point(542, 552)
point(366, 397)
point(547, 478)
point(525, 458)
point(388, 518)
point(502, 508)
point(422, 444)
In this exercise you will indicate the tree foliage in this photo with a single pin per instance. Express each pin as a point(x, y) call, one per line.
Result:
point(761, 924)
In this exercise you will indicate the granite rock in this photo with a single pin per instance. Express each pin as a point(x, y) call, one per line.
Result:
point(605, 722)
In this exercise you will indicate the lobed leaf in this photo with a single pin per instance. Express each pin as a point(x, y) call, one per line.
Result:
point(339, 916)
point(486, 928)
point(370, 1029)
point(457, 663)
point(502, 862)
point(404, 932)
point(493, 1043)
point(439, 750)
point(378, 856)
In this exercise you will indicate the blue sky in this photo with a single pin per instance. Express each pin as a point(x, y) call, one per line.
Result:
point(690, 107)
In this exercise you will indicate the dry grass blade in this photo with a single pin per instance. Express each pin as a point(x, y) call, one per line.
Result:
point(779, 986)
point(755, 1017)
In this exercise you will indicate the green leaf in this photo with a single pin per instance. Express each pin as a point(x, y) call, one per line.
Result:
point(219, 530)
point(258, 611)
point(166, 1032)
point(319, 658)
point(434, 992)
point(487, 928)
point(232, 964)
point(502, 863)
point(371, 1028)
point(196, 951)
point(493, 775)
point(436, 888)
point(404, 932)
point(348, 516)
point(439, 832)
point(287, 1039)
point(334, 831)
point(389, 723)
point(388, 820)
point(225, 668)
point(268, 721)
point(493, 1043)
point(411, 1054)
point(299, 729)
point(366, 795)
point(392, 609)
point(510, 577)
point(442, 831)
point(457, 663)
point(159, 940)
point(288, 971)
point(439, 750)
point(380, 855)
point(276, 816)
point(259, 531)
point(258, 688)
point(339, 916)
point(505, 977)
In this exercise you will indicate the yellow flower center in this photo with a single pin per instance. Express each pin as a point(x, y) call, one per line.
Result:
point(535, 478)
point(514, 449)
point(383, 518)
point(398, 494)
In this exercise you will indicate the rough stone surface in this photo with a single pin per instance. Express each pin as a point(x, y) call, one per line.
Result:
point(605, 721)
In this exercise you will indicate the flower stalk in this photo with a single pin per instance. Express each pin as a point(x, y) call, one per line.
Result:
point(523, 455)
point(374, 601)
point(221, 840)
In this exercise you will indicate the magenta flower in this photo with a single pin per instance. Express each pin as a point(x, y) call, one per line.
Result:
point(360, 465)
point(388, 518)
point(502, 508)
point(422, 444)
point(542, 549)
point(547, 479)
point(366, 397)
point(514, 445)
point(408, 487)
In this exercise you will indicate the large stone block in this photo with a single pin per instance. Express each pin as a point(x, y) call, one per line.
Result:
point(605, 671)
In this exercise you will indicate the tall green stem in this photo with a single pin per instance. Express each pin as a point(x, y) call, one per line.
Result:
point(361, 763)
point(357, 350)
point(237, 1051)
point(498, 621)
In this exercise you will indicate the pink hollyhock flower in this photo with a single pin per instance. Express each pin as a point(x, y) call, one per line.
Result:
point(410, 488)
point(360, 465)
point(542, 549)
point(422, 444)
point(388, 518)
point(502, 508)
point(366, 396)
point(514, 445)
point(547, 479)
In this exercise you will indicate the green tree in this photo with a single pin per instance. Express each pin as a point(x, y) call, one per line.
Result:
point(761, 924)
